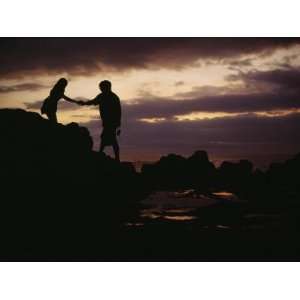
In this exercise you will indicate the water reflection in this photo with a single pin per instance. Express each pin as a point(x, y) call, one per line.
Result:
point(218, 211)
point(182, 205)
point(172, 214)
point(223, 226)
point(180, 218)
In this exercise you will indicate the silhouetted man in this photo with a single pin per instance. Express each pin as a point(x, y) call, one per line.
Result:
point(110, 112)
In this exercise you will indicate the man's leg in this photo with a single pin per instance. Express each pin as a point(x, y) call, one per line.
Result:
point(116, 150)
point(102, 138)
point(101, 148)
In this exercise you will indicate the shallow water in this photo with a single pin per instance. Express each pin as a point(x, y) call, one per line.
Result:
point(212, 211)
point(180, 206)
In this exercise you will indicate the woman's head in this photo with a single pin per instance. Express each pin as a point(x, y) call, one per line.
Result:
point(62, 82)
point(59, 87)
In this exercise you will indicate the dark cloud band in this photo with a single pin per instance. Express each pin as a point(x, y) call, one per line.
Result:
point(21, 87)
point(21, 56)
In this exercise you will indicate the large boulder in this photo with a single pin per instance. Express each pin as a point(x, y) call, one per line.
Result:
point(56, 191)
point(176, 172)
point(236, 177)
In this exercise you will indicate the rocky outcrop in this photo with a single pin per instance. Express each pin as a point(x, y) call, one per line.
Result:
point(175, 171)
point(56, 191)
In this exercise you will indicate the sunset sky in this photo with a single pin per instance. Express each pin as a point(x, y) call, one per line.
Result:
point(233, 97)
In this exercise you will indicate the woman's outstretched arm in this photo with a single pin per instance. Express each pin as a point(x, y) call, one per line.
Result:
point(69, 99)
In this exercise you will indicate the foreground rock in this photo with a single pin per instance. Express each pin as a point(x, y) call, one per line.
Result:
point(57, 192)
point(62, 201)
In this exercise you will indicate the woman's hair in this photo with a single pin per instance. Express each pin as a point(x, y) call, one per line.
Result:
point(59, 86)
point(62, 82)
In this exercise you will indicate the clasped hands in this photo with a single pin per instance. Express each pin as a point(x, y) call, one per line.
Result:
point(80, 102)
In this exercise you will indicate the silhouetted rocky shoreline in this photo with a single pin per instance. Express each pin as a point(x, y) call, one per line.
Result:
point(63, 201)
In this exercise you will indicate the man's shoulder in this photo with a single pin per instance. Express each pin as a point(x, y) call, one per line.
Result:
point(98, 97)
point(115, 96)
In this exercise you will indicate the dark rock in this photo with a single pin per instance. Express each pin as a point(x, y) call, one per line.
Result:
point(175, 171)
point(55, 189)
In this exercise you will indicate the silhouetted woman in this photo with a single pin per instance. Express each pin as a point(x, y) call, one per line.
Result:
point(49, 106)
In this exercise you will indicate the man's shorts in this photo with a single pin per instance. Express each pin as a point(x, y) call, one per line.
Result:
point(108, 135)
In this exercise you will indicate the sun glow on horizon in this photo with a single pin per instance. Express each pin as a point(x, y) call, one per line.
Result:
point(194, 116)
point(152, 120)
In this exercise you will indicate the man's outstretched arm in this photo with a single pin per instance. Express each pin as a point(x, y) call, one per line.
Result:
point(94, 101)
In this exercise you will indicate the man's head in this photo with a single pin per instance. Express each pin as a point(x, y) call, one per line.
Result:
point(105, 86)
